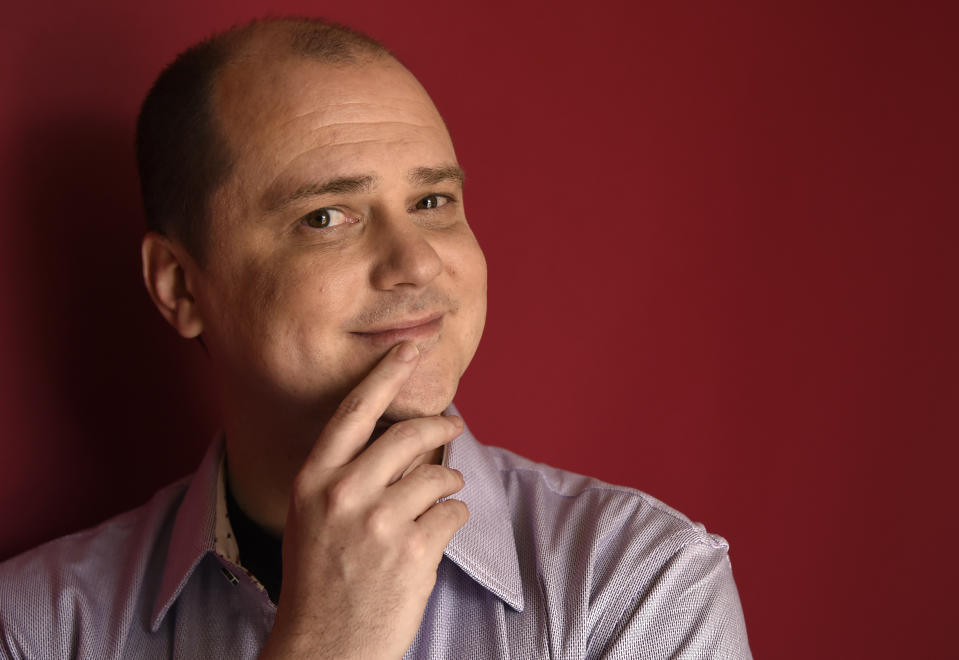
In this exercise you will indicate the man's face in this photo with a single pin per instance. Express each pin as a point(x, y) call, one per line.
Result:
point(339, 233)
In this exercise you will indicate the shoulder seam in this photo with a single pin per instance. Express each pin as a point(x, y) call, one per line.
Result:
point(625, 490)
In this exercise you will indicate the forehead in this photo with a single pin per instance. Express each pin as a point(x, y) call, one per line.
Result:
point(275, 110)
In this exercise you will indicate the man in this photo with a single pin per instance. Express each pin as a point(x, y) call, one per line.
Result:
point(307, 225)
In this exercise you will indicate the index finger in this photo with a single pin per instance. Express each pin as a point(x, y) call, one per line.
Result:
point(352, 423)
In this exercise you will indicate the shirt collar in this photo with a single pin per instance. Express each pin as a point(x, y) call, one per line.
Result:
point(484, 548)
point(201, 526)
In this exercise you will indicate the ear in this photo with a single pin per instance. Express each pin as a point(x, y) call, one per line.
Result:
point(165, 275)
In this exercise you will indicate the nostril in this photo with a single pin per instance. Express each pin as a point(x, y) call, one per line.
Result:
point(408, 258)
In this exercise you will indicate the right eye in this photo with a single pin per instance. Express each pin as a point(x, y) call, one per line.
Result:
point(325, 217)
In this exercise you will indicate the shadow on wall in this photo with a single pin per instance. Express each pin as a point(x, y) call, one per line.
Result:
point(126, 405)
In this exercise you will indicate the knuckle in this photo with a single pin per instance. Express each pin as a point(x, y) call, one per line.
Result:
point(301, 493)
point(378, 522)
point(350, 406)
point(339, 494)
point(405, 430)
point(415, 545)
point(432, 474)
point(458, 511)
point(301, 485)
point(448, 479)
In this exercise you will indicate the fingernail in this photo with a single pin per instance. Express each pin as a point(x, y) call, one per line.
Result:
point(407, 351)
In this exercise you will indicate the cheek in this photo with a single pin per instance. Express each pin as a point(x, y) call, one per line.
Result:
point(466, 265)
point(468, 271)
point(278, 313)
point(303, 309)
point(466, 268)
point(260, 294)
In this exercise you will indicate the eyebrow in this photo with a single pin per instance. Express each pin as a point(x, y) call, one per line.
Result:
point(339, 185)
point(426, 176)
point(418, 176)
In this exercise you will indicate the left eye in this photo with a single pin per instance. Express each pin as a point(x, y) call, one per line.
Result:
point(432, 202)
point(323, 218)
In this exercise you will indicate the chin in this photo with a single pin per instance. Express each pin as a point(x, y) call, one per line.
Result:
point(430, 389)
point(421, 399)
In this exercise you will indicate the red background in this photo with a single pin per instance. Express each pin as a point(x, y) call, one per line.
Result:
point(722, 241)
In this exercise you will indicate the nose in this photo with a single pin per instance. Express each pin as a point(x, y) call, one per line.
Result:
point(405, 256)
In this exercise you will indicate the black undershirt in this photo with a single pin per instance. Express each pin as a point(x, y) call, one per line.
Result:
point(260, 553)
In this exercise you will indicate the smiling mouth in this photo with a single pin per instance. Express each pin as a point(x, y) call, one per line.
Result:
point(416, 330)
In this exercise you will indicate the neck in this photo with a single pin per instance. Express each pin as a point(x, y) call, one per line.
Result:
point(264, 452)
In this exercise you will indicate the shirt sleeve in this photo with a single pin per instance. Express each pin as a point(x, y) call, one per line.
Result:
point(691, 609)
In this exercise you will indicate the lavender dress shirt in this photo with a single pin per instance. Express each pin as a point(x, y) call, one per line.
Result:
point(550, 565)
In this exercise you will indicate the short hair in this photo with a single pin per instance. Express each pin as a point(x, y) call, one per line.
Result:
point(182, 155)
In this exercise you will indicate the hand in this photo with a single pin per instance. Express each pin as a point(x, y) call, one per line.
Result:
point(363, 535)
